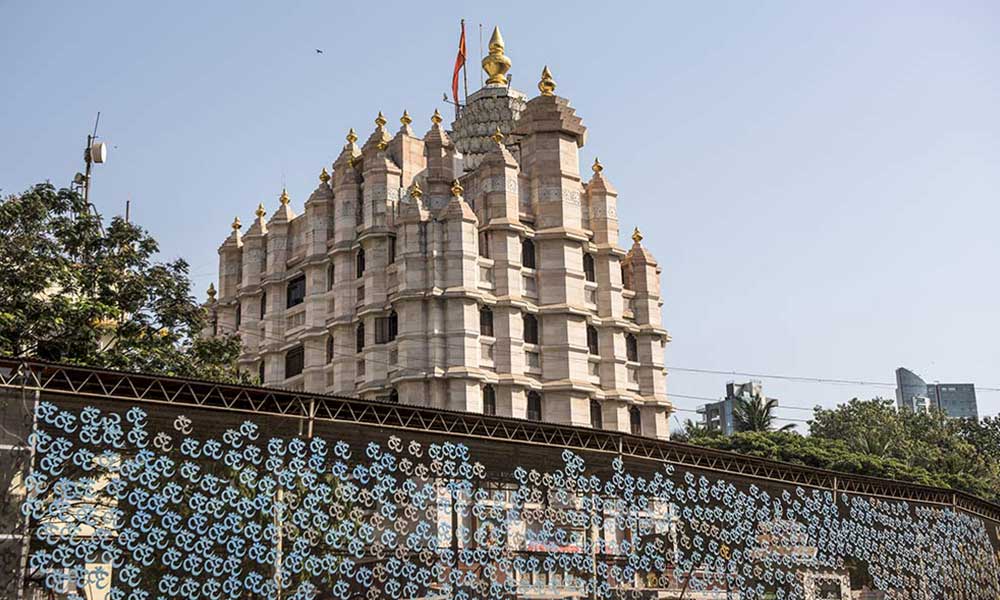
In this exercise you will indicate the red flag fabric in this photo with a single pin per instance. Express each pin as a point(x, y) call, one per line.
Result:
point(459, 64)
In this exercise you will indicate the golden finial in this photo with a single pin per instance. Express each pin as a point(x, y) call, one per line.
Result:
point(597, 167)
point(284, 199)
point(547, 85)
point(405, 119)
point(415, 191)
point(380, 120)
point(495, 63)
point(237, 224)
point(456, 188)
point(382, 145)
point(497, 136)
point(636, 236)
point(351, 136)
point(324, 176)
point(211, 292)
point(260, 212)
point(436, 117)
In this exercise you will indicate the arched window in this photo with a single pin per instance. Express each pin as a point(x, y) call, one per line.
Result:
point(393, 325)
point(260, 372)
point(635, 421)
point(530, 328)
point(329, 349)
point(631, 348)
point(263, 304)
point(489, 400)
point(626, 283)
point(360, 260)
point(329, 276)
point(359, 338)
point(528, 253)
point(394, 396)
point(485, 321)
point(239, 314)
point(534, 412)
point(589, 271)
point(596, 416)
point(295, 292)
point(592, 346)
point(294, 361)
point(392, 250)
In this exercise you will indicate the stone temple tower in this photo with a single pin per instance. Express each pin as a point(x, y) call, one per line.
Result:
point(468, 269)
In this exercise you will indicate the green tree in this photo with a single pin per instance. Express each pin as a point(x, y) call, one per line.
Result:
point(756, 413)
point(868, 426)
point(73, 290)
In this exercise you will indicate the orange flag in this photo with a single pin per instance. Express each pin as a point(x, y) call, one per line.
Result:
point(459, 64)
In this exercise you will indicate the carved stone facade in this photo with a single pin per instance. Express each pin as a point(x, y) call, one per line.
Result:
point(488, 280)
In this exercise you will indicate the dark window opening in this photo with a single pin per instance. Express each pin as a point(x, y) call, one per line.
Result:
point(528, 253)
point(489, 400)
point(589, 271)
point(260, 372)
point(239, 314)
point(596, 416)
point(296, 291)
point(530, 328)
point(359, 338)
point(329, 277)
point(386, 328)
point(394, 396)
point(329, 349)
point(631, 348)
point(635, 421)
point(360, 263)
point(625, 279)
point(534, 412)
point(263, 304)
point(592, 345)
point(485, 321)
point(392, 250)
point(294, 361)
point(484, 244)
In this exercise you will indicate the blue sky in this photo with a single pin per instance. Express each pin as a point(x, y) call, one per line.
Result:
point(820, 183)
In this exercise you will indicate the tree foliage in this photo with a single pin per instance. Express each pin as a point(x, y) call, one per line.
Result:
point(756, 413)
point(870, 437)
point(73, 290)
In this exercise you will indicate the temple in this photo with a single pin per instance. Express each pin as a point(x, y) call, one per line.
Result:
point(470, 268)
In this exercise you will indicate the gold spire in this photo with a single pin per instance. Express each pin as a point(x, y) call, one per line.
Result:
point(211, 292)
point(351, 138)
point(597, 167)
point(415, 191)
point(636, 236)
point(284, 199)
point(380, 120)
point(436, 117)
point(547, 85)
point(260, 212)
point(237, 224)
point(495, 63)
point(324, 176)
point(497, 136)
point(405, 119)
point(456, 188)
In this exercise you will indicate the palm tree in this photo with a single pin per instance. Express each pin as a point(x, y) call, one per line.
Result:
point(754, 413)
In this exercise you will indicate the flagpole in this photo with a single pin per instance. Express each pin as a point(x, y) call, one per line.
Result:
point(465, 67)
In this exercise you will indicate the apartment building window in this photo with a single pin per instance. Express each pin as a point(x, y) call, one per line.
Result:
point(296, 291)
point(589, 271)
point(263, 304)
point(294, 361)
point(631, 348)
point(360, 263)
point(484, 244)
point(596, 416)
point(386, 328)
point(635, 421)
point(329, 277)
point(329, 349)
point(359, 338)
point(392, 250)
point(489, 400)
point(534, 412)
point(239, 314)
point(528, 253)
point(592, 345)
point(486, 321)
point(530, 328)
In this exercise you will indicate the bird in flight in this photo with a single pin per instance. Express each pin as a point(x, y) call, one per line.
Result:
point(318, 51)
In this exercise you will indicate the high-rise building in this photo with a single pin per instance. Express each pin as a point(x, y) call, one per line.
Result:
point(471, 269)
point(718, 416)
point(956, 400)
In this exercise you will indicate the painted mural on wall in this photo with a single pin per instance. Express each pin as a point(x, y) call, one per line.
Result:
point(127, 510)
